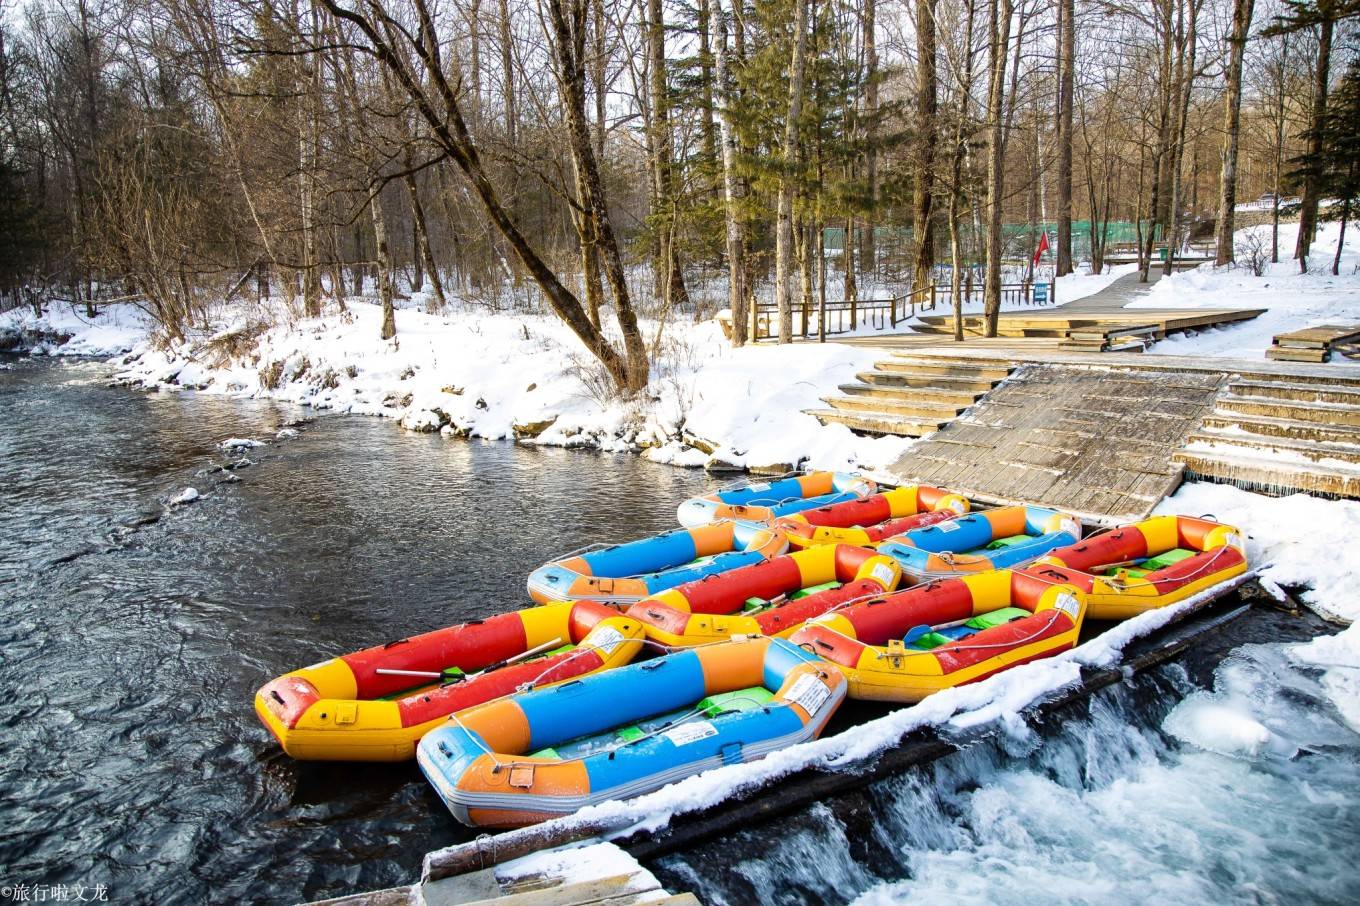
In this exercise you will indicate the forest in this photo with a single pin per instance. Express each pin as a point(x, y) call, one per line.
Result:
point(625, 163)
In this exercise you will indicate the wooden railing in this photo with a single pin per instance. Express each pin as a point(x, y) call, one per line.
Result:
point(847, 316)
point(1012, 294)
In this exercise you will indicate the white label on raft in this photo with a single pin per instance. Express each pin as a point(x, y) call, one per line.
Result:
point(758, 486)
point(607, 639)
point(1234, 540)
point(810, 692)
point(949, 525)
point(883, 573)
point(1068, 604)
point(1071, 527)
point(683, 734)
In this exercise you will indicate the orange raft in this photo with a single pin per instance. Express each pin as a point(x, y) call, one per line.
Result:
point(363, 707)
point(872, 519)
point(904, 646)
point(1146, 565)
point(771, 598)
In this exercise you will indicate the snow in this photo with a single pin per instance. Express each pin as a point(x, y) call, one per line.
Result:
point(115, 329)
point(1298, 540)
point(236, 444)
point(576, 864)
point(475, 372)
point(1293, 301)
point(188, 495)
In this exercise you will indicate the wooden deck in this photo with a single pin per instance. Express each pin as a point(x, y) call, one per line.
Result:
point(1314, 344)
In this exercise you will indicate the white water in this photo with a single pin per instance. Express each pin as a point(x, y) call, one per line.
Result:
point(1137, 801)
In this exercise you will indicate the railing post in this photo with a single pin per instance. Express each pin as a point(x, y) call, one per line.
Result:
point(854, 314)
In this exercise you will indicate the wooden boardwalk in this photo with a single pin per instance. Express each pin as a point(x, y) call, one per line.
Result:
point(1108, 435)
point(1096, 442)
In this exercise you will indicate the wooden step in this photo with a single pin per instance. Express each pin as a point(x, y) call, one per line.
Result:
point(1266, 426)
point(875, 424)
point(931, 381)
point(1287, 354)
point(1317, 413)
point(1273, 476)
point(1283, 447)
point(916, 409)
point(963, 399)
point(1302, 392)
point(949, 368)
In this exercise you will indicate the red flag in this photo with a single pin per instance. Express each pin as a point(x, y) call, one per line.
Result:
point(1043, 246)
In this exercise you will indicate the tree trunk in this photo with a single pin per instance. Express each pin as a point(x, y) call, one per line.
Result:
point(1341, 238)
point(1189, 46)
point(1232, 113)
point(868, 253)
point(663, 148)
point(422, 239)
point(927, 100)
point(789, 154)
point(736, 240)
point(1160, 155)
point(389, 319)
point(1066, 64)
point(508, 74)
point(1308, 204)
point(1001, 12)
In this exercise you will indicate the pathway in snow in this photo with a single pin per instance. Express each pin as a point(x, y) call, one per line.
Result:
point(1113, 297)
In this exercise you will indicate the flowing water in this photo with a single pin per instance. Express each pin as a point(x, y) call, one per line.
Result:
point(1227, 777)
point(133, 634)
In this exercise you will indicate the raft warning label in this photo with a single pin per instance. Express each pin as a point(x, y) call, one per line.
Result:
point(809, 692)
point(884, 574)
point(608, 639)
point(685, 734)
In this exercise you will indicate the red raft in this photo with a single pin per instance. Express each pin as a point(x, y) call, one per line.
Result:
point(869, 520)
point(376, 704)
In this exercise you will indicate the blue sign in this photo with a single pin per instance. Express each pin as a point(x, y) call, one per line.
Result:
point(1041, 294)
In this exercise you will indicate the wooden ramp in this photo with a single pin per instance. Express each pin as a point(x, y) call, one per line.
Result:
point(1096, 442)
point(1274, 427)
point(1315, 344)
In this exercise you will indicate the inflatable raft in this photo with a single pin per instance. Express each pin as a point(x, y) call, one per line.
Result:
point(1148, 564)
point(625, 732)
point(872, 519)
point(905, 646)
point(766, 501)
point(1002, 538)
point(771, 598)
point(375, 704)
point(624, 573)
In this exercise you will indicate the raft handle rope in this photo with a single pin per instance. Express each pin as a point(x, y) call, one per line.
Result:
point(1111, 580)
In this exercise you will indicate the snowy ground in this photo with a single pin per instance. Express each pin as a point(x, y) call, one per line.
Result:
point(1293, 300)
point(474, 372)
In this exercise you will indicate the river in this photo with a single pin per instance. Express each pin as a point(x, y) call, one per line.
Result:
point(134, 634)
point(130, 649)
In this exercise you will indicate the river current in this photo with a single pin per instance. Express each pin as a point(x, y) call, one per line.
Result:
point(133, 634)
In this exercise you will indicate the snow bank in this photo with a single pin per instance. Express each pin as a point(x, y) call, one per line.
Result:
point(65, 330)
point(1297, 540)
point(474, 372)
point(1292, 300)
